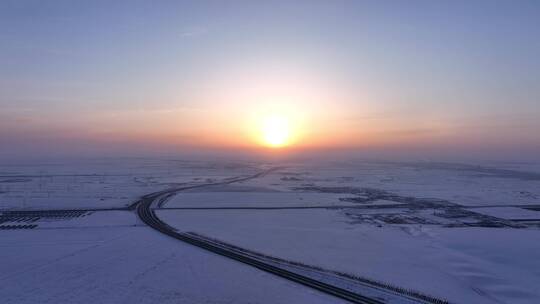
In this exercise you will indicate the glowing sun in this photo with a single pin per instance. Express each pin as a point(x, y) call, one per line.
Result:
point(276, 131)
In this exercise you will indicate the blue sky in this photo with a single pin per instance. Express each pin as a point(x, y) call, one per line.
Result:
point(362, 74)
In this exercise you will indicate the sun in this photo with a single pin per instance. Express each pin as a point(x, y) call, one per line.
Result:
point(276, 131)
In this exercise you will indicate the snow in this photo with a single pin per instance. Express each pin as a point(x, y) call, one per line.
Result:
point(417, 252)
point(107, 183)
point(424, 259)
point(461, 184)
point(454, 231)
point(103, 262)
point(255, 199)
point(510, 213)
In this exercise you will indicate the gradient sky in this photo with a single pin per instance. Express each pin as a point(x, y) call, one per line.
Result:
point(434, 76)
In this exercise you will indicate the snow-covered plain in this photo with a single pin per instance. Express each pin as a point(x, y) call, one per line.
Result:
point(109, 183)
point(444, 262)
point(111, 258)
point(252, 198)
point(411, 224)
point(467, 233)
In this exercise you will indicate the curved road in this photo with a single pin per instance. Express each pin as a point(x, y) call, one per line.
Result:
point(147, 215)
